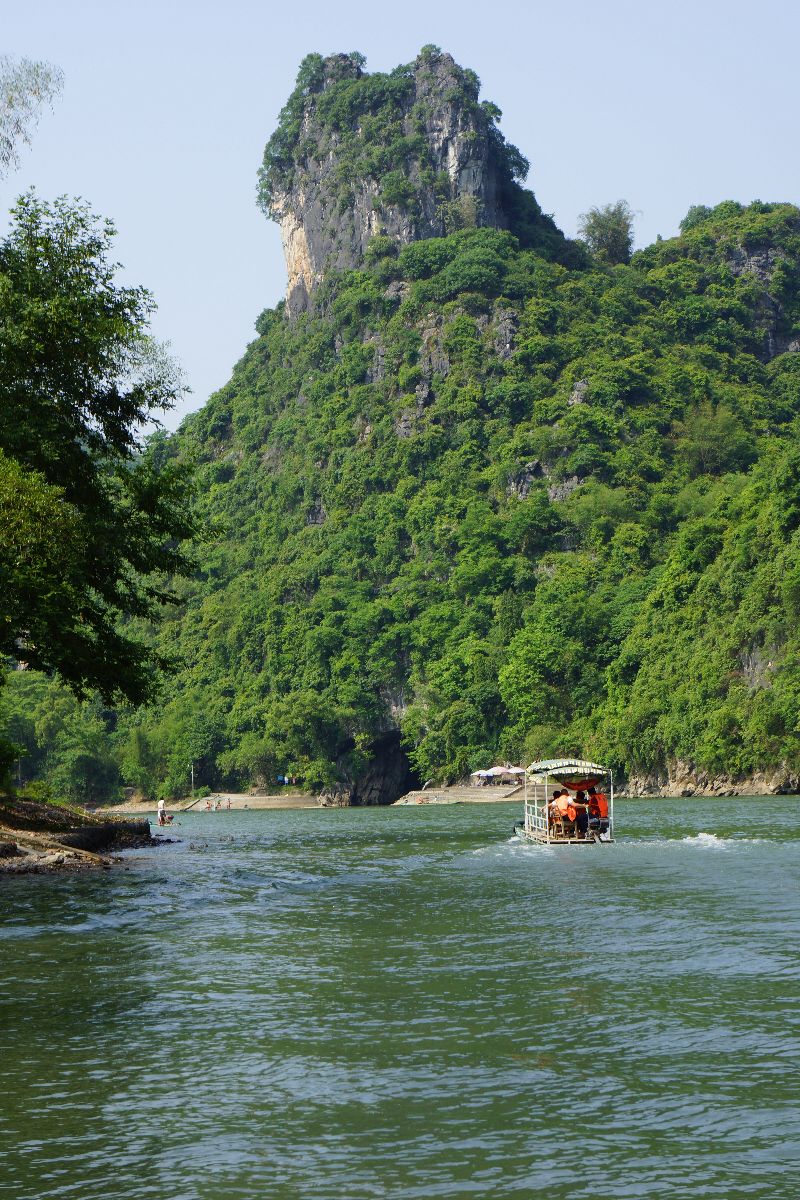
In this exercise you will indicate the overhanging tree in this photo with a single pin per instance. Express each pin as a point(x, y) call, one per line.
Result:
point(25, 86)
point(93, 527)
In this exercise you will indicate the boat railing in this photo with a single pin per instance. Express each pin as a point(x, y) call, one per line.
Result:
point(536, 815)
point(535, 819)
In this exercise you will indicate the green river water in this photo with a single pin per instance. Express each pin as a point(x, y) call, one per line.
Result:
point(410, 1003)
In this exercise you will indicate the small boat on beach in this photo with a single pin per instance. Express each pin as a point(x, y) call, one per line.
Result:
point(568, 802)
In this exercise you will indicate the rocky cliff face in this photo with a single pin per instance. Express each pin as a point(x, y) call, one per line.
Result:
point(687, 779)
point(407, 155)
point(762, 265)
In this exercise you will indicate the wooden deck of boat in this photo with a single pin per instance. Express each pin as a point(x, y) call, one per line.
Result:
point(541, 840)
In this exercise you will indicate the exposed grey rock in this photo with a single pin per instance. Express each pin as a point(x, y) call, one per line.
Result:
point(317, 514)
point(404, 425)
point(387, 776)
point(756, 665)
point(506, 322)
point(580, 393)
point(377, 371)
point(561, 488)
point(520, 484)
point(398, 289)
point(319, 236)
point(776, 343)
point(761, 263)
point(770, 315)
point(433, 358)
point(686, 779)
point(335, 797)
point(271, 456)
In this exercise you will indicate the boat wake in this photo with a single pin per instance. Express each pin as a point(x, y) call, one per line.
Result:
point(712, 842)
point(702, 840)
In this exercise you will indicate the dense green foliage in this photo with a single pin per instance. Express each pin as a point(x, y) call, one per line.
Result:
point(90, 526)
point(61, 743)
point(579, 535)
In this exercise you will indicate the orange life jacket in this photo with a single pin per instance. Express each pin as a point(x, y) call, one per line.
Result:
point(602, 804)
point(563, 805)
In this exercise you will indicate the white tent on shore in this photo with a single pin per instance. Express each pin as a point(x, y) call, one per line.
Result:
point(500, 774)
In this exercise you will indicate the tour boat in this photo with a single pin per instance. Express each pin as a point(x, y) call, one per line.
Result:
point(561, 823)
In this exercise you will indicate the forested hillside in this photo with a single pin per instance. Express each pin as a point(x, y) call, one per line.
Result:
point(483, 494)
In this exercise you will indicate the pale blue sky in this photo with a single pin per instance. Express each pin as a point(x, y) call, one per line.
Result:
point(167, 106)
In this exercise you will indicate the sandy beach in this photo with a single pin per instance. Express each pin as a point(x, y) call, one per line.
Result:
point(238, 800)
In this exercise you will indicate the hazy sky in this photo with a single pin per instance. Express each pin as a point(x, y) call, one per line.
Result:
point(168, 103)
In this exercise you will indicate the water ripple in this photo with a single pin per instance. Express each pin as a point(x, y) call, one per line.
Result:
point(409, 1004)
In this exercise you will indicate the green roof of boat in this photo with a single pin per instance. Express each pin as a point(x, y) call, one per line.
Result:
point(552, 766)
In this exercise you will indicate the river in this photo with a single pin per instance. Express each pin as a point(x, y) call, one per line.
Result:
point(410, 1003)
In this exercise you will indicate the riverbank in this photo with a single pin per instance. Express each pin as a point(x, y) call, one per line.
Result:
point(462, 794)
point(684, 780)
point(38, 838)
point(238, 800)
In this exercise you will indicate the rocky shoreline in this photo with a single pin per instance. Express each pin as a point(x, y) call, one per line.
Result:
point(683, 780)
point(37, 838)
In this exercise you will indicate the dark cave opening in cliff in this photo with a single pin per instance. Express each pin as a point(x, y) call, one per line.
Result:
point(388, 775)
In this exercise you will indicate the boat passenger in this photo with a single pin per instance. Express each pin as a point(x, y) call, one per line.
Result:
point(598, 809)
point(581, 814)
point(565, 811)
point(552, 808)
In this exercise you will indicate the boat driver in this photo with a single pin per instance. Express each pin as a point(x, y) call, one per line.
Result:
point(598, 809)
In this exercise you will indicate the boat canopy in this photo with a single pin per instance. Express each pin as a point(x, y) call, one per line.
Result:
point(493, 772)
point(574, 773)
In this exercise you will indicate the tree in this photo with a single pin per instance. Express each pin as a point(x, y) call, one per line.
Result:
point(608, 231)
point(697, 215)
point(91, 524)
point(25, 86)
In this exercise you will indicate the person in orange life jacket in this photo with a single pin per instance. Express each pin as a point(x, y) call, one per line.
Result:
point(572, 810)
point(598, 808)
point(564, 804)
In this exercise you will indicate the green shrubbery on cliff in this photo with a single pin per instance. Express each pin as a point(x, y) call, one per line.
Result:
point(374, 128)
point(505, 496)
point(517, 508)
